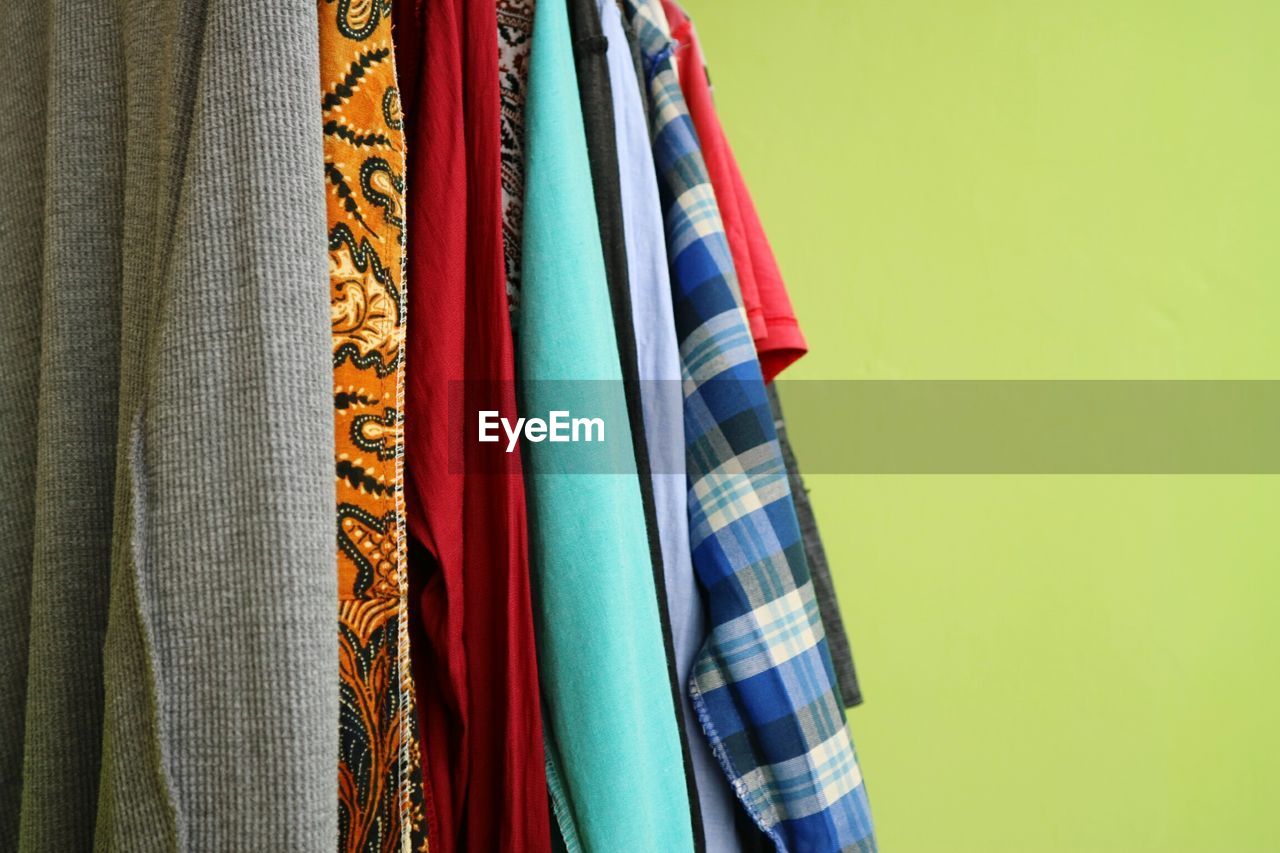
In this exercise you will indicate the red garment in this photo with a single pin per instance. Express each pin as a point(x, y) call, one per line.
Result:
point(777, 335)
point(471, 631)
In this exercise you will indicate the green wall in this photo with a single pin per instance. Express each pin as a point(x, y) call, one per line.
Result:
point(1036, 190)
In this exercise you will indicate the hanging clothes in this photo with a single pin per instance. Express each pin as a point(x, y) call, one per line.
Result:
point(763, 684)
point(168, 658)
point(380, 773)
point(594, 89)
point(615, 768)
point(816, 555)
point(472, 627)
point(515, 35)
point(658, 362)
point(774, 328)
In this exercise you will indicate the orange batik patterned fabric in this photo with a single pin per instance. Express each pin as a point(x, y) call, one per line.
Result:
point(380, 798)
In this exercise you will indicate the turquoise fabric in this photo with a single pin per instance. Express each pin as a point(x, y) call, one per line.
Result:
point(614, 761)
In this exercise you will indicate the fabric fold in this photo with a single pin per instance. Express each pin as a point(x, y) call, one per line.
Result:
point(816, 554)
point(616, 771)
point(166, 422)
point(763, 683)
point(471, 631)
point(380, 796)
point(658, 361)
point(774, 328)
point(591, 52)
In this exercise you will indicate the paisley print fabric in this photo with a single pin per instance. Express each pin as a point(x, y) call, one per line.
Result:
point(380, 797)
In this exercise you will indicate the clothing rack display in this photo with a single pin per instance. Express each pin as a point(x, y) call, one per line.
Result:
point(526, 210)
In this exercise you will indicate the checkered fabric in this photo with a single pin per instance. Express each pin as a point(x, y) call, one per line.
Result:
point(763, 685)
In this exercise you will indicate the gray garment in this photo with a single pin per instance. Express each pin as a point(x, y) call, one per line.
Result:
point(823, 587)
point(168, 648)
point(658, 357)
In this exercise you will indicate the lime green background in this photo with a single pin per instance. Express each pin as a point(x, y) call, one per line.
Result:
point(1036, 190)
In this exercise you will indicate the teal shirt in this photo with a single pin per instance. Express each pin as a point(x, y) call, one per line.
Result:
point(615, 768)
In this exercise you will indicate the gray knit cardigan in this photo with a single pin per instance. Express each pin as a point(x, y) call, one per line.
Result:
point(168, 655)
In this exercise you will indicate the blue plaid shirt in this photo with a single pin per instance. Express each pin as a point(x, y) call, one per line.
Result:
point(763, 684)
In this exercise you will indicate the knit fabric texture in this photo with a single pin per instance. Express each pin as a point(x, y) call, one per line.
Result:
point(168, 662)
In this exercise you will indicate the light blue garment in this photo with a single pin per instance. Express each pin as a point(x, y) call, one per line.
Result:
point(615, 768)
point(658, 355)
